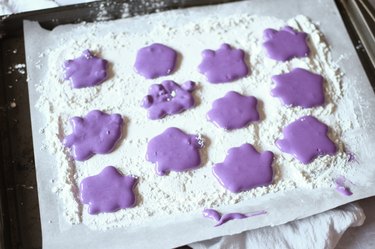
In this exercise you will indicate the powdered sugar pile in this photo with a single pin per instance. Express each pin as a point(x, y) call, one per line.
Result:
point(191, 191)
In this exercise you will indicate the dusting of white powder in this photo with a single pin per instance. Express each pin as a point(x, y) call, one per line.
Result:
point(191, 191)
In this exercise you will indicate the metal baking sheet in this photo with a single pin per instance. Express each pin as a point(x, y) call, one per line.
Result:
point(20, 224)
point(183, 230)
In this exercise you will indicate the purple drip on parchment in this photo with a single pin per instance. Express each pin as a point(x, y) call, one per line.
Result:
point(96, 133)
point(223, 65)
point(221, 219)
point(299, 88)
point(155, 60)
point(285, 44)
point(341, 186)
point(233, 111)
point(168, 98)
point(108, 191)
point(306, 139)
point(174, 150)
point(86, 70)
point(244, 168)
point(352, 157)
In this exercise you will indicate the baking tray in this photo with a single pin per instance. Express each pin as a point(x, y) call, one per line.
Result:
point(20, 224)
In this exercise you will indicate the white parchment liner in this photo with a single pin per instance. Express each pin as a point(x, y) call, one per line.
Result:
point(281, 207)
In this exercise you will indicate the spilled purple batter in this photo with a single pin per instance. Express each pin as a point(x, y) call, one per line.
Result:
point(168, 98)
point(108, 191)
point(155, 60)
point(86, 70)
point(212, 214)
point(351, 156)
point(174, 150)
point(299, 88)
point(306, 139)
point(221, 219)
point(223, 65)
point(244, 168)
point(341, 186)
point(285, 44)
point(96, 133)
point(233, 111)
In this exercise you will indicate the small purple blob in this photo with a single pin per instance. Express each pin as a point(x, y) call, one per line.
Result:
point(155, 60)
point(97, 133)
point(341, 186)
point(212, 214)
point(352, 157)
point(306, 139)
point(344, 190)
point(86, 70)
point(108, 191)
point(244, 168)
point(174, 150)
point(299, 88)
point(221, 219)
point(223, 65)
point(285, 44)
point(168, 98)
point(233, 111)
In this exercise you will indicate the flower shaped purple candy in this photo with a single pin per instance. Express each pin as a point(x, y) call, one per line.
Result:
point(244, 168)
point(306, 139)
point(299, 88)
point(86, 70)
point(97, 133)
point(168, 98)
point(285, 44)
point(223, 65)
point(108, 191)
point(155, 60)
point(233, 111)
point(174, 150)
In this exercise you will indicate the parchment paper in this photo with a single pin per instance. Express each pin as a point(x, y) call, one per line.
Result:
point(281, 207)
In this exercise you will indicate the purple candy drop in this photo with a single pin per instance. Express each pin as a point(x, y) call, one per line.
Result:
point(96, 133)
point(285, 44)
point(244, 168)
point(155, 60)
point(233, 111)
point(86, 70)
point(168, 98)
point(174, 150)
point(108, 191)
point(223, 65)
point(299, 88)
point(306, 139)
